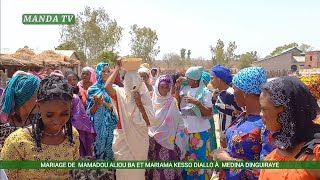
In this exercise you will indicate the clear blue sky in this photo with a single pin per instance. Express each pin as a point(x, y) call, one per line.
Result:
point(192, 24)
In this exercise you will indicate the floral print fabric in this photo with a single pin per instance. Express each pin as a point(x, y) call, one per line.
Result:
point(246, 140)
point(199, 149)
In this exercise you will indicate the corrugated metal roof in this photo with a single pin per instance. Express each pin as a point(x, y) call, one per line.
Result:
point(283, 52)
point(290, 49)
point(299, 58)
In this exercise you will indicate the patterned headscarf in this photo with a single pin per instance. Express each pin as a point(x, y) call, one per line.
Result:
point(19, 90)
point(167, 79)
point(98, 87)
point(299, 111)
point(250, 80)
point(99, 69)
point(222, 72)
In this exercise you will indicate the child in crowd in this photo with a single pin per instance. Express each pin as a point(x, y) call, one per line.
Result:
point(51, 136)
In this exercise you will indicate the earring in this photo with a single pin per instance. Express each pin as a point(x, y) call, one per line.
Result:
point(195, 82)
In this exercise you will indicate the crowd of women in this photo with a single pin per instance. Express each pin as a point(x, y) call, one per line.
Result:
point(113, 114)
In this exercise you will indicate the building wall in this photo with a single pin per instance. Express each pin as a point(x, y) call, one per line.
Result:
point(278, 63)
point(312, 59)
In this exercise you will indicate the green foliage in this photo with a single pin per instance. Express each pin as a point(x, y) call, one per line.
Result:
point(189, 55)
point(229, 54)
point(305, 47)
point(222, 56)
point(280, 49)
point(93, 32)
point(108, 57)
point(172, 60)
point(246, 59)
point(183, 53)
point(143, 42)
point(67, 46)
point(218, 56)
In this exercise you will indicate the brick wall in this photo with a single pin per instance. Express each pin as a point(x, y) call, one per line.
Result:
point(312, 59)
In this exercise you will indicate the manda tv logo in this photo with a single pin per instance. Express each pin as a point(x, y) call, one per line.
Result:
point(48, 19)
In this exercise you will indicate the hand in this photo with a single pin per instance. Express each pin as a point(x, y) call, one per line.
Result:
point(190, 99)
point(119, 62)
point(108, 105)
point(179, 81)
point(98, 99)
point(223, 140)
point(137, 98)
point(221, 154)
point(236, 113)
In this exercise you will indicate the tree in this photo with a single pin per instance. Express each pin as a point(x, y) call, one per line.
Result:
point(183, 53)
point(280, 49)
point(229, 54)
point(218, 55)
point(72, 46)
point(305, 47)
point(172, 60)
point(93, 32)
point(188, 55)
point(247, 58)
point(143, 42)
point(108, 57)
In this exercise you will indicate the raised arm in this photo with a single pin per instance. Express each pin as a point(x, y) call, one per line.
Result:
point(177, 91)
point(110, 90)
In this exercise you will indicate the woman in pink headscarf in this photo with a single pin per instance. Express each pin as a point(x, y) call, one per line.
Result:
point(88, 77)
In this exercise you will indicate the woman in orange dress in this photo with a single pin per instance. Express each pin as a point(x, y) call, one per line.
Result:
point(287, 109)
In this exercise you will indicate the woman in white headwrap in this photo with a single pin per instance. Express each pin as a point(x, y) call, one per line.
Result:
point(145, 74)
point(135, 113)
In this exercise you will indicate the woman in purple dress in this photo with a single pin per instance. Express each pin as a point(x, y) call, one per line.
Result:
point(80, 119)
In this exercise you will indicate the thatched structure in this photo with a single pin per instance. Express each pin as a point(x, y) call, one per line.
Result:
point(24, 59)
point(55, 59)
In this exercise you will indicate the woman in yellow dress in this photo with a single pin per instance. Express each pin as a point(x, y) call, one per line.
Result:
point(51, 136)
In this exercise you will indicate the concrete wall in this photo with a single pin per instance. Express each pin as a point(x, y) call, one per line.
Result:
point(278, 63)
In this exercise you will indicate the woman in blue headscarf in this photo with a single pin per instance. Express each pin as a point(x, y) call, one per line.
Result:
point(195, 102)
point(101, 114)
point(18, 103)
point(247, 137)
